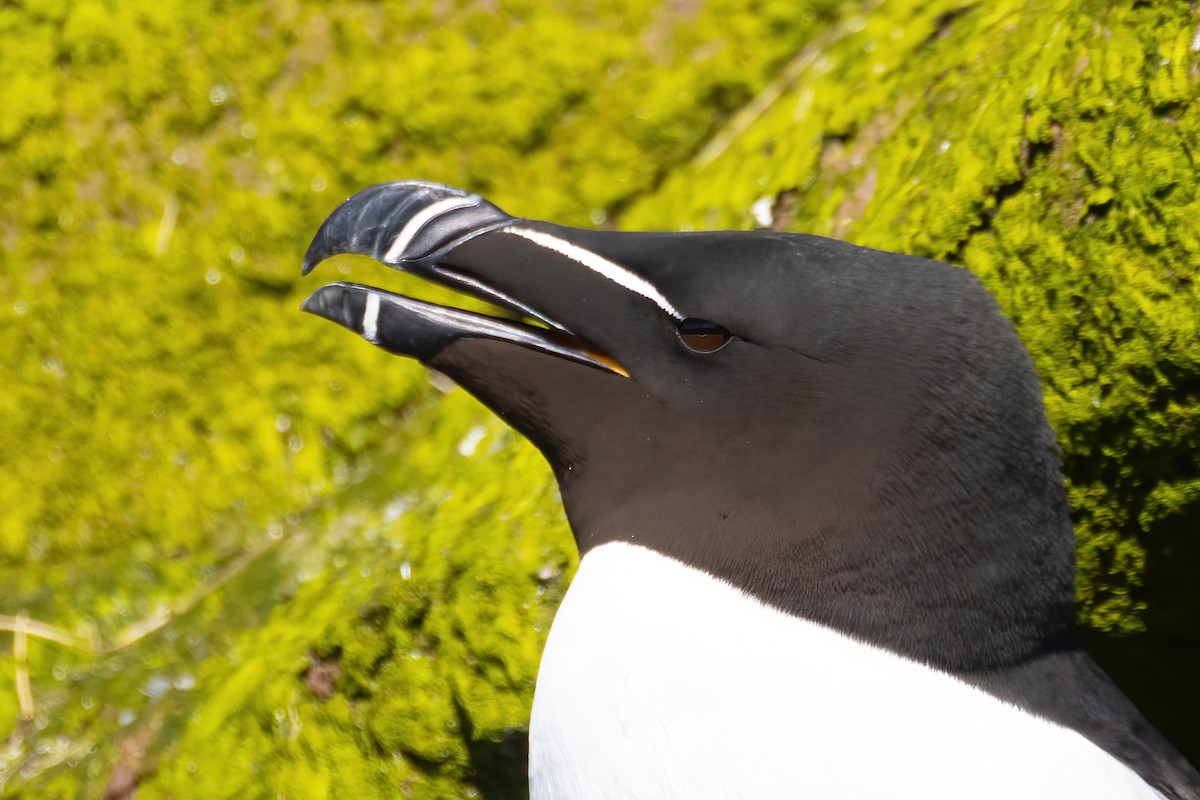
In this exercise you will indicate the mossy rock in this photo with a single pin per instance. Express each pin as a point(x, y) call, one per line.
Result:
point(320, 575)
point(1051, 149)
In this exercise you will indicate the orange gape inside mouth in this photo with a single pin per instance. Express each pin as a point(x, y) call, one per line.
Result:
point(573, 342)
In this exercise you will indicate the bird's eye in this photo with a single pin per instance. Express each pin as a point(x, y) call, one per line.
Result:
point(702, 336)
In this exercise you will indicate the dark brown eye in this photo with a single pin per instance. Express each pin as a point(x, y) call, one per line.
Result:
point(702, 336)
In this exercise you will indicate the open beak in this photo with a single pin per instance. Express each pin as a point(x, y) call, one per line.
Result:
point(415, 226)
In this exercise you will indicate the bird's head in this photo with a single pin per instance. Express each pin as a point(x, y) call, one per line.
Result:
point(793, 413)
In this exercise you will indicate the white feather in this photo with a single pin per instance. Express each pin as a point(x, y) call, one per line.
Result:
point(661, 682)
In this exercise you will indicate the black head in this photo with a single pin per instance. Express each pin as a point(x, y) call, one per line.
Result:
point(853, 436)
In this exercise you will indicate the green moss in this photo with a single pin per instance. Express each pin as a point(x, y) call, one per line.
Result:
point(183, 447)
point(1063, 175)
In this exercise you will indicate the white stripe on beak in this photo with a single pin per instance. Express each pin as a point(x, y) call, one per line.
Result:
point(420, 220)
point(370, 320)
point(613, 271)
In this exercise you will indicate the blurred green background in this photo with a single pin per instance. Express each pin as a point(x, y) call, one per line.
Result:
point(243, 554)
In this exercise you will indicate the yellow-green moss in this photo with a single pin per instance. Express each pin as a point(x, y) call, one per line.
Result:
point(180, 444)
point(182, 447)
point(1050, 148)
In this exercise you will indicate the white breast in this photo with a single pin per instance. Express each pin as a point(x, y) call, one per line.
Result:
point(660, 681)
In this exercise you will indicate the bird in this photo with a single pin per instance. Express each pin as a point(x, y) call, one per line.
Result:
point(825, 547)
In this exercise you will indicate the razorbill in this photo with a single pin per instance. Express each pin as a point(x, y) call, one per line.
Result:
point(825, 544)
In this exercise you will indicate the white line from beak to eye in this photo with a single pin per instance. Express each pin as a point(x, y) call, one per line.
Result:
point(420, 220)
point(370, 320)
point(614, 272)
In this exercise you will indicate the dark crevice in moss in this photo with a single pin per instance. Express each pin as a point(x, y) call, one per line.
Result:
point(983, 223)
point(498, 768)
point(943, 22)
point(1096, 213)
